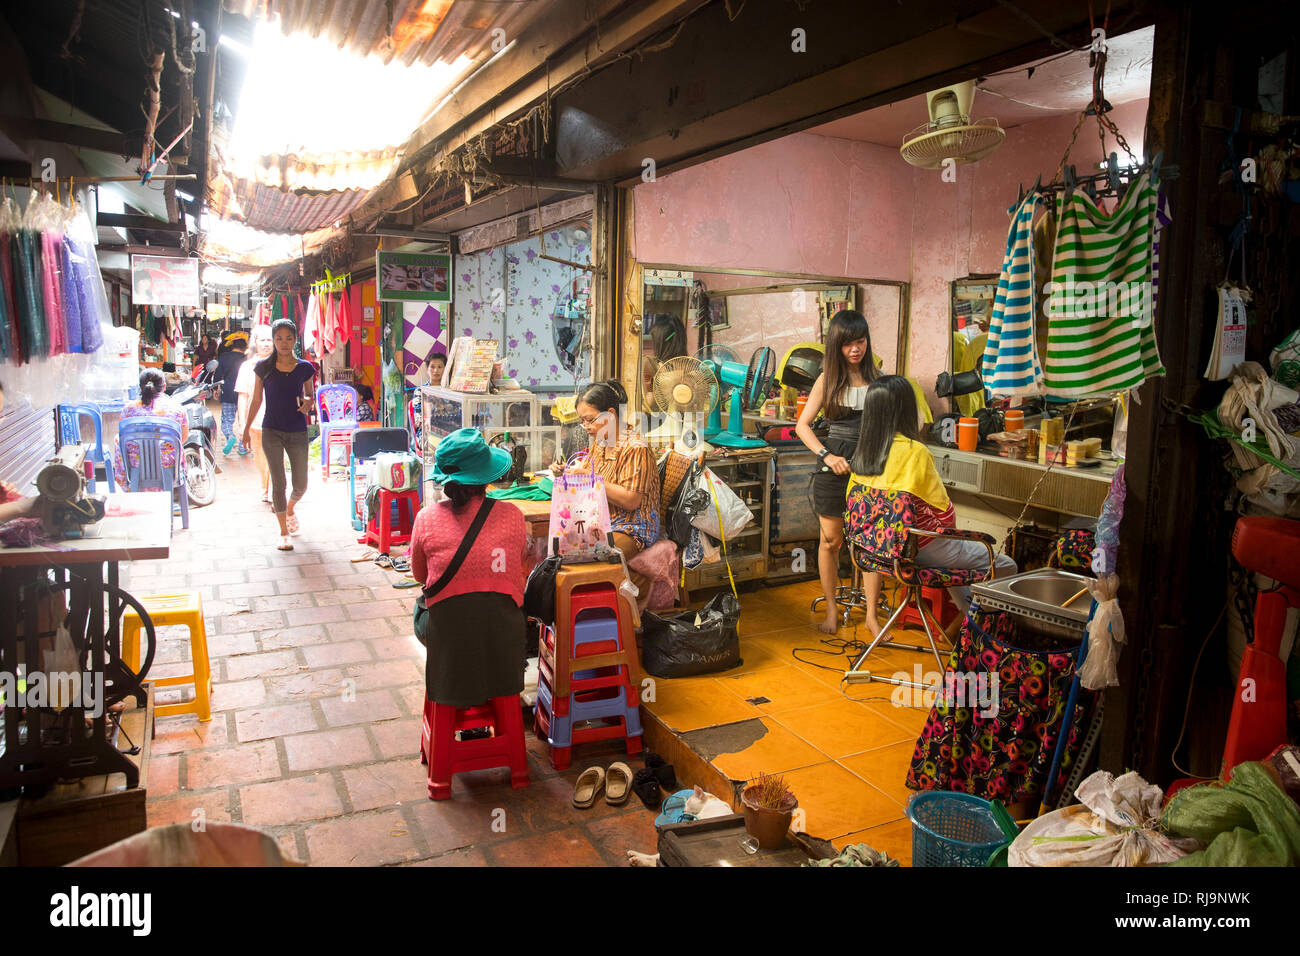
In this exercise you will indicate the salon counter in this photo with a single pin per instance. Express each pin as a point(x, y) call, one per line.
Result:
point(1071, 491)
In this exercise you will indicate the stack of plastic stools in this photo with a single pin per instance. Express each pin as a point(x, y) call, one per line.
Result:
point(588, 680)
point(447, 756)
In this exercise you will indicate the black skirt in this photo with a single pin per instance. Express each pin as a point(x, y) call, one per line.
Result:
point(475, 649)
point(830, 490)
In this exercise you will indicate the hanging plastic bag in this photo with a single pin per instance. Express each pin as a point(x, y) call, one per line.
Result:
point(579, 516)
point(85, 281)
point(726, 515)
point(1100, 669)
point(1117, 824)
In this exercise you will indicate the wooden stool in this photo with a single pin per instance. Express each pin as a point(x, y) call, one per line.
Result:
point(174, 609)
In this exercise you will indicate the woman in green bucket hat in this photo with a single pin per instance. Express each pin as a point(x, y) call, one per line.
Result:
point(470, 615)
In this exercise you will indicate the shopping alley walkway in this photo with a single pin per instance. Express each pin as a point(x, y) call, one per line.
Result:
point(319, 684)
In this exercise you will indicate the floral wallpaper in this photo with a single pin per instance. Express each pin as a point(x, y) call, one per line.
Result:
point(511, 294)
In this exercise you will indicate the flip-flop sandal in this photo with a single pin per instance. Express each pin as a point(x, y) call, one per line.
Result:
point(587, 787)
point(294, 524)
point(406, 583)
point(285, 544)
point(663, 771)
point(618, 782)
point(645, 786)
point(368, 556)
point(401, 564)
point(384, 561)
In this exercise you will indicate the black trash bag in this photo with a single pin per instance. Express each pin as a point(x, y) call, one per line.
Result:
point(675, 647)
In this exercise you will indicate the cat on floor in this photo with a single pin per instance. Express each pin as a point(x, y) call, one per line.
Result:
point(702, 805)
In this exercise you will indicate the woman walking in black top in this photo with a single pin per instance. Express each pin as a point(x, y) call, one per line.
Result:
point(283, 381)
point(840, 390)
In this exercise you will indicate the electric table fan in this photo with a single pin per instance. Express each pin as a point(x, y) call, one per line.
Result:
point(687, 390)
point(748, 384)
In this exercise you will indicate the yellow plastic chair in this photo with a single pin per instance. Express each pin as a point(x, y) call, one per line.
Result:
point(185, 610)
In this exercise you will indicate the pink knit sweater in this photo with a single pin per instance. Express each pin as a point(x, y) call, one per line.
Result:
point(494, 563)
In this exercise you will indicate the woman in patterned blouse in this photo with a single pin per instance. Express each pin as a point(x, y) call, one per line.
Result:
point(627, 466)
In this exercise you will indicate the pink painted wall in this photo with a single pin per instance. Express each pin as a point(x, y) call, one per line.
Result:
point(825, 206)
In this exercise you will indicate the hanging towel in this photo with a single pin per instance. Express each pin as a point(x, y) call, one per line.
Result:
point(1010, 364)
point(310, 324)
point(329, 323)
point(1100, 336)
point(345, 317)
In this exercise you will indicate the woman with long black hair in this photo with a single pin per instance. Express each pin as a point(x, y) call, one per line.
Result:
point(849, 367)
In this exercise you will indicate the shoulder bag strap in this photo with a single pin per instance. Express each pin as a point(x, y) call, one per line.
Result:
point(462, 552)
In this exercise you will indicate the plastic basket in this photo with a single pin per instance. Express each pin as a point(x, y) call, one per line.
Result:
point(952, 829)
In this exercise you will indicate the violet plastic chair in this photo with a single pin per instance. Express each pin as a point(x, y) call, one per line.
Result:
point(70, 434)
point(336, 407)
point(148, 432)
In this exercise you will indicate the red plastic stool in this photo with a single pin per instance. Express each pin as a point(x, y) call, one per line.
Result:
point(379, 532)
point(341, 438)
point(941, 607)
point(447, 756)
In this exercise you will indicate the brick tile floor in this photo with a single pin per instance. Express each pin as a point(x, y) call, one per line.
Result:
point(318, 685)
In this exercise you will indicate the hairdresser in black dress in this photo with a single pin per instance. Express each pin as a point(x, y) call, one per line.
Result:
point(839, 392)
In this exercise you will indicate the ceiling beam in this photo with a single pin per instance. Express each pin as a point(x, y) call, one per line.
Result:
point(544, 58)
point(700, 98)
point(117, 220)
point(106, 141)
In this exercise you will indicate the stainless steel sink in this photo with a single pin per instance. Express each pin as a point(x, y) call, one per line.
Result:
point(1039, 595)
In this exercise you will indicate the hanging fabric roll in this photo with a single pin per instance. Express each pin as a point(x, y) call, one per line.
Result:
point(1100, 334)
point(71, 299)
point(277, 310)
point(27, 282)
point(1010, 365)
point(51, 289)
point(16, 349)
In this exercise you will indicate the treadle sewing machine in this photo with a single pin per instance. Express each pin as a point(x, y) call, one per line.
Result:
point(65, 510)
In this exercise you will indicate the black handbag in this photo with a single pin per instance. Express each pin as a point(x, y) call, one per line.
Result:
point(539, 591)
point(420, 613)
point(691, 500)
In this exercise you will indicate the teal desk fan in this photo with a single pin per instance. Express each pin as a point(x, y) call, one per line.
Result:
point(748, 385)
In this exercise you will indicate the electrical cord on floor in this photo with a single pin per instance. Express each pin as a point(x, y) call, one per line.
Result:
point(849, 649)
point(1191, 686)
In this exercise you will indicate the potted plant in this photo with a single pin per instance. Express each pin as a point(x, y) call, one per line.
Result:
point(769, 804)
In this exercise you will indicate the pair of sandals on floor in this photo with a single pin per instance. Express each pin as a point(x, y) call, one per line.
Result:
point(619, 781)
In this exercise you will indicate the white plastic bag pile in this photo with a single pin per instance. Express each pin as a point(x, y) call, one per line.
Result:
point(1117, 824)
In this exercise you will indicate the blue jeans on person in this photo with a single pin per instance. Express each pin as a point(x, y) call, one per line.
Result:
point(228, 410)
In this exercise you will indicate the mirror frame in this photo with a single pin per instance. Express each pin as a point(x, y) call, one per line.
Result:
point(815, 283)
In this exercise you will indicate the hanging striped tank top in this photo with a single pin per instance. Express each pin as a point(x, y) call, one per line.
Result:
point(1100, 336)
point(1010, 365)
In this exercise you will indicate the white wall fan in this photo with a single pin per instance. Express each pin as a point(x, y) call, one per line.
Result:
point(950, 134)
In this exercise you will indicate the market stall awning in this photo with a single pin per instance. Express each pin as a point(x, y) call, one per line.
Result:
point(407, 31)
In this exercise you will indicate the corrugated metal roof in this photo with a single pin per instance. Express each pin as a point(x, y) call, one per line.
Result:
point(421, 31)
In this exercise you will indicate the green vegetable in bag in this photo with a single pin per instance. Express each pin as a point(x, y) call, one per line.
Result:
point(1249, 821)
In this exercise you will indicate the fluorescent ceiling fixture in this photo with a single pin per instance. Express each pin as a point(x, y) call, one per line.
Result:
point(184, 195)
point(234, 46)
point(303, 95)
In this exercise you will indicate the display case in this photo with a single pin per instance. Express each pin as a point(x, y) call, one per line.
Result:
point(517, 416)
point(748, 472)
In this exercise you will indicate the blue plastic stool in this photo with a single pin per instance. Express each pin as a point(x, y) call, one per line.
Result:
point(70, 434)
point(560, 727)
point(148, 433)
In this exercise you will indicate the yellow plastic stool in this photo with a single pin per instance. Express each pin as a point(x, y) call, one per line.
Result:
point(174, 609)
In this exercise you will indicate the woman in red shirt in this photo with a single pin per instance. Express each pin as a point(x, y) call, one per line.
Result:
point(474, 629)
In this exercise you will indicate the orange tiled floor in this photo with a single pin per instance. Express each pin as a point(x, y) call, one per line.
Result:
point(844, 754)
point(319, 684)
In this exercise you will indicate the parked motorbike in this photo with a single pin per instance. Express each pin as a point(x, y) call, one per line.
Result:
point(201, 468)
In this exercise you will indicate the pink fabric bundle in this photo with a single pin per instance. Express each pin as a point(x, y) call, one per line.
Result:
point(52, 290)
